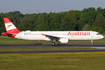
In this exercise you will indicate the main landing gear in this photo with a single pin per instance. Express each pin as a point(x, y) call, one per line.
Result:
point(53, 43)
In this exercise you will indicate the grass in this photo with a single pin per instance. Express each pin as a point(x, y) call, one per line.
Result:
point(8, 40)
point(53, 61)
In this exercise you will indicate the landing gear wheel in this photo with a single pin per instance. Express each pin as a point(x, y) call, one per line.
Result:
point(53, 43)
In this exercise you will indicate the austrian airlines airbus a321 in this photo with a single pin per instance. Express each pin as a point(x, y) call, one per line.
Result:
point(59, 36)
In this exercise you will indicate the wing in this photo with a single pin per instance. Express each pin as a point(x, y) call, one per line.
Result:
point(56, 38)
point(52, 38)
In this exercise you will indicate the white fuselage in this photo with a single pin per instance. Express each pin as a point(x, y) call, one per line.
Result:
point(70, 35)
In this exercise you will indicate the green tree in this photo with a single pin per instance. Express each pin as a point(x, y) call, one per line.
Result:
point(86, 27)
point(26, 23)
point(72, 15)
point(65, 24)
point(99, 21)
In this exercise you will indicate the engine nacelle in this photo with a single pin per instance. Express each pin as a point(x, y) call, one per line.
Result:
point(47, 39)
point(63, 40)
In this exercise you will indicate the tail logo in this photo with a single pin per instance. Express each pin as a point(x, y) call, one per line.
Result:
point(9, 26)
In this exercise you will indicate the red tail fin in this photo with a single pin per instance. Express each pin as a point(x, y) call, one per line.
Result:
point(10, 28)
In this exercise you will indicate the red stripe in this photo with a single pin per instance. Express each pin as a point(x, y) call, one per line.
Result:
point(6, 20)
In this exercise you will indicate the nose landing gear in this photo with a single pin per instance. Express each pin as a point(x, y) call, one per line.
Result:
point(92, 42)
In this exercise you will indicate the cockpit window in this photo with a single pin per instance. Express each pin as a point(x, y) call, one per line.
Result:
point(98, 34)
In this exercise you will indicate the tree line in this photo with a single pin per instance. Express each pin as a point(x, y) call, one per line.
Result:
point(73, 20)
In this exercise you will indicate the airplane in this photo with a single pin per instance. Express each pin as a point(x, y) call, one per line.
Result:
point(59, 36)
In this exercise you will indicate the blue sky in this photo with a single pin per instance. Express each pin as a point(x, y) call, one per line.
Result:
point(40, 6)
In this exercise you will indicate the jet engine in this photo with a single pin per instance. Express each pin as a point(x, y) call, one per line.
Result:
point(63, 40)
point(47, 39)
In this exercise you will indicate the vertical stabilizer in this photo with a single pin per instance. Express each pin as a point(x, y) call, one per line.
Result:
point(9, 25)
point(12, 31)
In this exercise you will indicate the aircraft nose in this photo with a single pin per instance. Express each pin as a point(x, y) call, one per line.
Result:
point(102, 36)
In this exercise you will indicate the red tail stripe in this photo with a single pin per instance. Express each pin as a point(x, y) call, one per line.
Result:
point(6, 20)
point(13, 31)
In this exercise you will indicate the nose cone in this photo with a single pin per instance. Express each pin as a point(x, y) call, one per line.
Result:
point(102, 37)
